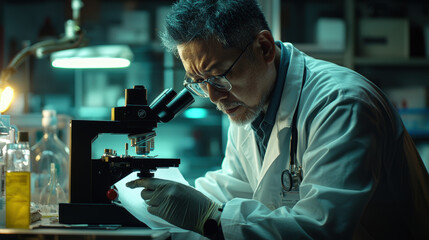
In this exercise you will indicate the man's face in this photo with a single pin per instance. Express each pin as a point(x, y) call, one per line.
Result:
point(250, 88)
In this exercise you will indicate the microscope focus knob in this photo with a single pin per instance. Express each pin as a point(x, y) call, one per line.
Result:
point(112, 194)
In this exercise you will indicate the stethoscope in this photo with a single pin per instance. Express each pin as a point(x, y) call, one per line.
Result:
point(291, 178)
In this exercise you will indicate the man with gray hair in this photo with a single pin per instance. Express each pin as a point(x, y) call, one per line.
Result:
point(314, 150)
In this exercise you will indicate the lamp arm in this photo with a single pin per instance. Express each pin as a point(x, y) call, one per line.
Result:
point(61, 44)
point(40, 49)
point(72, 38)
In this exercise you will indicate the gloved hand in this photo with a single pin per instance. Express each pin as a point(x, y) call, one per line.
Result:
point(178, 204)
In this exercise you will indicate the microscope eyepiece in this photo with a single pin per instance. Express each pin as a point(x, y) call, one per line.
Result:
point(167, 105)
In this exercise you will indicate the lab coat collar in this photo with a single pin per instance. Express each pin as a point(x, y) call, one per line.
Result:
point(278, 145)
point(292, 88)
point(287, 108)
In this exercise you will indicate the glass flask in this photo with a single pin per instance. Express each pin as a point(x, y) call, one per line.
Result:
point(51, 195)
point(49, 149)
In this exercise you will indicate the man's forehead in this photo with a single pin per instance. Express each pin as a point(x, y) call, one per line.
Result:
point(200, 57)
point(198, 49)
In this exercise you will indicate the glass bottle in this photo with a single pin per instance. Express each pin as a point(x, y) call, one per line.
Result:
point(49, 149)
point(18, 175)
point(51, 195)
point(7, 135)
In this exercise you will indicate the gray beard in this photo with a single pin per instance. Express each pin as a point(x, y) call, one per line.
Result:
point(249, 115)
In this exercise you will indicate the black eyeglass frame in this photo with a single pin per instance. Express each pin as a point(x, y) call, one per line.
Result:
point(194, 87)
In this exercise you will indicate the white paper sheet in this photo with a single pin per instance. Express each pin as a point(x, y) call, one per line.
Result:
point(131, 199)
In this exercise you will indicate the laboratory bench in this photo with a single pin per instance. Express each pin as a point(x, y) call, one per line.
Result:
point(87, 233)
point(83, 233)
point(44, 231)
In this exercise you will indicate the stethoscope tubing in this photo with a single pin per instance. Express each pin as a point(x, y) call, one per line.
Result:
point(287, 174)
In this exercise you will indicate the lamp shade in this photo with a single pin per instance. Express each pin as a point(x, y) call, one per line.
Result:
point(102, 56)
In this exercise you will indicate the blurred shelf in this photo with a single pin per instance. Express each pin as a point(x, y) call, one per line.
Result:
point(419, 135)
point(413, 111)
point(337, 58)
point(391, 62)
point(415, 120)
point(321, 52)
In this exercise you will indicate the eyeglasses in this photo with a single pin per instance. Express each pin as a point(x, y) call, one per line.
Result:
point(220, 82)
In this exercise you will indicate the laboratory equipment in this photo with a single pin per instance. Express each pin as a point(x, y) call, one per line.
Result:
point(18, 183)
point(49, 149)
point(91, 180)
point(51, 195)
point(7, 135)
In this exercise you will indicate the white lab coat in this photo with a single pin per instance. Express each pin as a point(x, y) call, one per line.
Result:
point(356, 158)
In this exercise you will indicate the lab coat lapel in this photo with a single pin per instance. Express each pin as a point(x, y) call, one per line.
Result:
point(269, 186)
point(253, 159)
point(273, 149)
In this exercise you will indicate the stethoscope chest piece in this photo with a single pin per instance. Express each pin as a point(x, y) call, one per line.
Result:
point(291, 180)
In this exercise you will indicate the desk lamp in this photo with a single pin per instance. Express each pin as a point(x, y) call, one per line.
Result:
point(68, 49)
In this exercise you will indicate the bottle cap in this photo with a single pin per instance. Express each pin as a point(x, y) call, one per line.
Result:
point(4, 130)
point(4, 124)
point(22, 136)
point(49, 117)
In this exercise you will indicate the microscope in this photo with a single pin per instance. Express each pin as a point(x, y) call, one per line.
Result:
point(91, 180)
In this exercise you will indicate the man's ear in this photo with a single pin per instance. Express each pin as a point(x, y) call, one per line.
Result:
point(266, 43)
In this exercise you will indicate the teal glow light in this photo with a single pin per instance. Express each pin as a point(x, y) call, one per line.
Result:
point(196, 113)
point(98, 62)
point(104, 56)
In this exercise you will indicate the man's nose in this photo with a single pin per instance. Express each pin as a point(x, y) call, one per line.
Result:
point(215, 94)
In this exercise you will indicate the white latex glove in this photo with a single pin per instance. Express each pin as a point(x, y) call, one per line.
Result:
point(177, 203)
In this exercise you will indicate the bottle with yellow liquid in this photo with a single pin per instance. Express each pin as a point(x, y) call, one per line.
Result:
point(7, 135)
point(18, 179)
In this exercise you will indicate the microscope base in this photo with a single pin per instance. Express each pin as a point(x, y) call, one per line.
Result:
point(95, 214)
